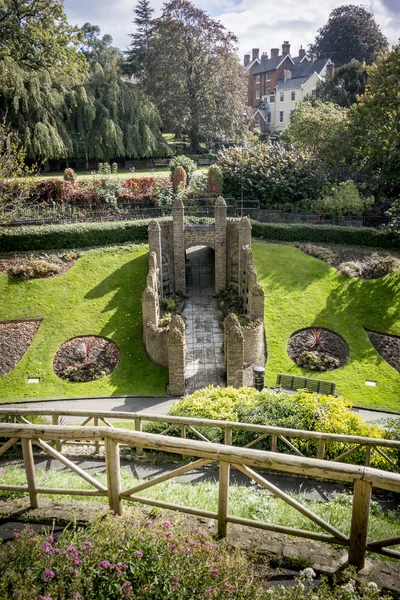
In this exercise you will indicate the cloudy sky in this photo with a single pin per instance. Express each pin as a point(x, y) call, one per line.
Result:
point(257, 23)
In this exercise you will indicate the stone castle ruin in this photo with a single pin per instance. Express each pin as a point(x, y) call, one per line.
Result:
point(230, 240)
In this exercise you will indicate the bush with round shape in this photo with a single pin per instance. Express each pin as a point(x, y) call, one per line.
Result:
point(183, 161)
point(69, 175)
point(214, 180)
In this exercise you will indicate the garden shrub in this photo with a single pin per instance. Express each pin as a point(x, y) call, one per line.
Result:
point(322, 253)
point(179, 178)
point(370, 267)
point(34, 269)
point(310, 412)
point(214, 180)
point(150, 558)
point(183, 161)
point(325, 234)
point(317, 362)
point(271, 173)
point(342, 199)
point(71, 235)
point(69, 175)
point(229, 301)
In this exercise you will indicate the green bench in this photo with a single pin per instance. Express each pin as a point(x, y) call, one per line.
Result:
point(293, 382)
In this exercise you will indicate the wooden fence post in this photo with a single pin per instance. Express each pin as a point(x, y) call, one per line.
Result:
point(321, 449)
point(138, 427)
point(113, 475)
point(97, 443)
point(362, 492)
point(30, 471)
point(56, 421)
point(223, 488)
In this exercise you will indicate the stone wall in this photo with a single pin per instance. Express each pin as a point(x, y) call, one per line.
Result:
point(156, 343)
point(234, 351)
point(176, 356)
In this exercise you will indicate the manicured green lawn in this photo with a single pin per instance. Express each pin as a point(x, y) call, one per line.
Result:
point(302, 291)
point(99, 295)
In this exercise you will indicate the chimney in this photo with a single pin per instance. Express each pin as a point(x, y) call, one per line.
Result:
point(246, 60)
point(302, 52)
point(285, 48)
point(330, 69)
point(264, 56)
point(254, 53)
point(313, 58)
point(274, 52)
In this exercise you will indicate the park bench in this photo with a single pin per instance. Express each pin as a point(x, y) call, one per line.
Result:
point(293, 382)
point(161, 162)
point(203, 162)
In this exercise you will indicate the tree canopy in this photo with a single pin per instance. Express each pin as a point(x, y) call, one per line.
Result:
point(193, 75)
point(347, 83)
point(137, 53)
point(350, 33)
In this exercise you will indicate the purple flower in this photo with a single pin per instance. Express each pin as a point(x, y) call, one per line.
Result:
point(87, 544)
point(138, 554)
point(149, 523)
point(47, 575)
point(125, 585)
point(214, 571)
point(49, 539)
point(104, 564)
point(45, 598)
point(209, 592)
point(72, 550)
point(77, 561)
point(229, 587)
point(168, 535)
point(16, 536)
point(2, 471)
point(166, 524)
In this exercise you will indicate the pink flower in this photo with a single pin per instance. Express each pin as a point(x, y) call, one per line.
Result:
point(166, 524)
point(229, 587)
point(77, 561)
point(104, 564)
point(49, 539)
point(214, 571)
point(138, 554)
point(16, 536)
point(209, 592)
point(47, 575)
point(168, 535)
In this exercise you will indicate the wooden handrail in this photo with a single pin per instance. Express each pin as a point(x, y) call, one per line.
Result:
point(363, 478)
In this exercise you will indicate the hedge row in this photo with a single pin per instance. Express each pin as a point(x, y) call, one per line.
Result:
point(325, 234)
point(71, 235)
point(81, 235)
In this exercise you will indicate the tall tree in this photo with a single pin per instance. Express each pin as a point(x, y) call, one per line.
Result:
point(136, 55)
point(350, 33)
point(347, 83)
point(376, 125)
point(193, 75)
point(36, 35)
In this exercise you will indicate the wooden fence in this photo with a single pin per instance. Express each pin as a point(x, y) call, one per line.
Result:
point(227, 456)
point(280, 437)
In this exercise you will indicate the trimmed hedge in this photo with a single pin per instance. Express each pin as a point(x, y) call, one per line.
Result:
point(325, 234)
point(71, 235)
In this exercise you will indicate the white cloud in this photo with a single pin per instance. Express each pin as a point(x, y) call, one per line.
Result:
point(256, 23)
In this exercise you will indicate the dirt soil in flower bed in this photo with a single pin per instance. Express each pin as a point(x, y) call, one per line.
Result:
point(15, 259)
point(15, 339)
point(388, 346)
point(332, 345)
point(86, 358)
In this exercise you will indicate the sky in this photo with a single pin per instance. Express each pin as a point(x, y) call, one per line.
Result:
point(256, 23)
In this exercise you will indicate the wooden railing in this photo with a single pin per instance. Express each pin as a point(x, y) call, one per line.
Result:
point(279, 436)
point(243, 459)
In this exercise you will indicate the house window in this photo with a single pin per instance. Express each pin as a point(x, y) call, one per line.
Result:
point(282, 97)
point(269, 118)
point(281, 116)
point(258, 78)
point(268, 76)
point(257, 122)
point(257, 94)
point(313, 93)
point(293, 96)
point(272, 99)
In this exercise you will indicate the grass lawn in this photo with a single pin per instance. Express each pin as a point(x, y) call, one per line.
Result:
point(302, 291)
point(99, 295)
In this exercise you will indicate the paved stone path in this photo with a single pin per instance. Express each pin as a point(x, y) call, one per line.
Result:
point(204, 336)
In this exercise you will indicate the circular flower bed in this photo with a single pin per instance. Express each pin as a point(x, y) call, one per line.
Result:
point(86, 358)
point(318, 349)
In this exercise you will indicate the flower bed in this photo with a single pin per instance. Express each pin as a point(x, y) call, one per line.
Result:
point(86, 358)
point(318, 349)
point(15, 339)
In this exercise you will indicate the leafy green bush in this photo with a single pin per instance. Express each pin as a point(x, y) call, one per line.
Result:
point(179, 178)
point(34, 269)
point(183, 161)
point(314, 361)
point(326, 234)
point(322, 253)
point(69, 175)
point(271, 173)
point(370, 267)
point(71, 235)
point(229, 301)
point(310, 412)
point(342, 199)
point(215, 180)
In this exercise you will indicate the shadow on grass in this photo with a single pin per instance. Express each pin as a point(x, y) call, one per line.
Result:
point(136, 374)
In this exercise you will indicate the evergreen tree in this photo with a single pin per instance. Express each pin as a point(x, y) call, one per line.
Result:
point(350, 33)
point(136, 55)
point(347, 83)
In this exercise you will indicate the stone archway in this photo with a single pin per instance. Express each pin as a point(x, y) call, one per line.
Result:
point(200, 270)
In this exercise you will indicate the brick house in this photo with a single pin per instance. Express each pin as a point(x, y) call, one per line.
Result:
point(270, 77)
